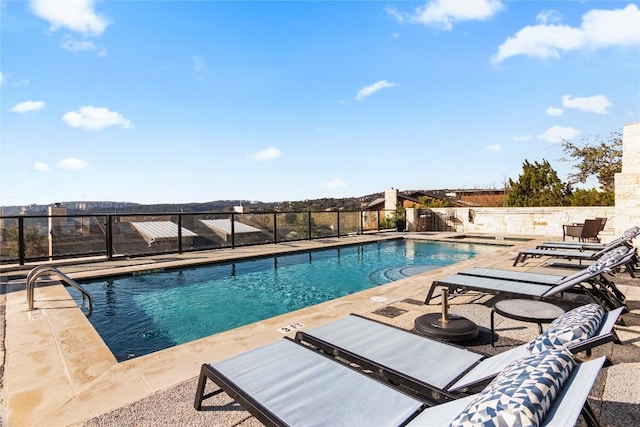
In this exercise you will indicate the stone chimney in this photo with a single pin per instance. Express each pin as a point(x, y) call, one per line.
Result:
point(390, 201)
point(628, 181)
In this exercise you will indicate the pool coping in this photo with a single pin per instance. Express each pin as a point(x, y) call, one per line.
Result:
point(58, 371)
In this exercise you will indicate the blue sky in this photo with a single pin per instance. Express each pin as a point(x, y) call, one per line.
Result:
point(193, 101)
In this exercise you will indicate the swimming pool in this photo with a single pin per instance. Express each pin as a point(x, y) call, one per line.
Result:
point(139, 314)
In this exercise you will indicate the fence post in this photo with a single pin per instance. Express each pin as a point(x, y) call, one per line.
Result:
point(179, 233)
point(109, 236)
point(275, 227)
point(21, 245)
point(309, 225)
point(338, 222)
point(233, 230)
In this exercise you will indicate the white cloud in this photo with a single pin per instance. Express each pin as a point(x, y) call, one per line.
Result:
point(443, 13)
point(557, 134)
point(494, 147)
point(27, 106)
point(554, 112)
point(2, 79)
point(522, 138)
point(373, 88)
point(41, 167)
point(94, 118)
point(267, 154)
point(549, 17)
point(599, 29)
point(72, 163)
point(74, 15)
point(593, 104)
point(73, 45)
point(335, 183)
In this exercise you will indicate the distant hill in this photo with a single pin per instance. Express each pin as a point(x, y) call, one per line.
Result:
point(105, 207)
point(475, 197)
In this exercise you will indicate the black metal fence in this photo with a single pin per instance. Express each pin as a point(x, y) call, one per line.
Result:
point(48, 237)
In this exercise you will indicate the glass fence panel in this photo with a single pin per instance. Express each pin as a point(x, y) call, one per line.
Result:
point(324, 224)
point(212, 231)
point(77, 236)
point(146, 234)
point(252, 229)
point(349, 223)
point(9, 240)
point(36, 238)
point(292, 226)
point(370, 220)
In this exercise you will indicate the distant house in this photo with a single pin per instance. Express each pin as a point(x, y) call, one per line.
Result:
point(391, 200)
point(436, 198)
point(408, 199)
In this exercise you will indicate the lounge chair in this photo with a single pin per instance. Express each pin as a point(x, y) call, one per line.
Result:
point(580, 253)
point(606, 288)
point(285, 384)
point(591, 282)
point(624, 239)
point(622, 256)
point(442, 371)
point(584, 232)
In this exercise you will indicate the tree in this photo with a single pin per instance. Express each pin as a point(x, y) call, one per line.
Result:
point(592, 197)
point(538, 185)
point(431, 202)
point(597, 157)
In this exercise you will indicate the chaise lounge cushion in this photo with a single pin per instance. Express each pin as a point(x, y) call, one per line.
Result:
point(522, 394)
point(608, 259)
point(575, 325)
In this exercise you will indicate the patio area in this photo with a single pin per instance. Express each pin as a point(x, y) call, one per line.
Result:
point(72, 379)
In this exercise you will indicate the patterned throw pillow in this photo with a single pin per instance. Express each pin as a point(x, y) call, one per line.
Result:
point(574, 326)
point(631, 233)
point(597, 267)
point(522, 394)
point(608, 259)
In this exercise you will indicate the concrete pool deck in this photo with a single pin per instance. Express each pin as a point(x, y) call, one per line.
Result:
point(58, 371)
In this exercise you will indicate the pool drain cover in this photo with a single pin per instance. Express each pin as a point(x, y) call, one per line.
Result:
point(390, 312)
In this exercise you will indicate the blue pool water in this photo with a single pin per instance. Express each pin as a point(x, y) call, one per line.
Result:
point(137, 315)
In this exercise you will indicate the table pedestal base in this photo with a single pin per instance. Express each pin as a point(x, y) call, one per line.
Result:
point(454, 328)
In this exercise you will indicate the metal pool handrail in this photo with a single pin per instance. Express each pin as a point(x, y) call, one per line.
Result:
point(41, 270)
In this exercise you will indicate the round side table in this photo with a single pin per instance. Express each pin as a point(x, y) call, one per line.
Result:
point(526, 311)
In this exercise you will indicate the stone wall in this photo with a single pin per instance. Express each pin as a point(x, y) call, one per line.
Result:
point(543, 221)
